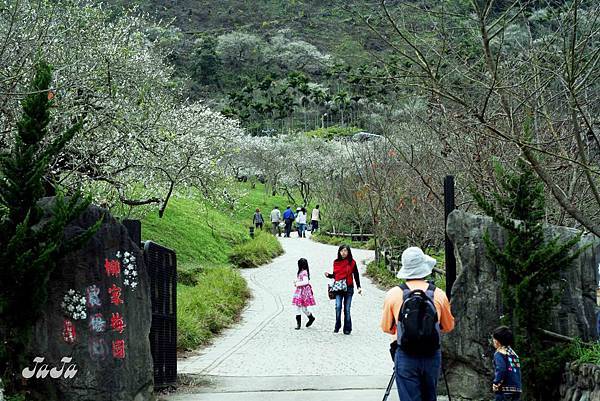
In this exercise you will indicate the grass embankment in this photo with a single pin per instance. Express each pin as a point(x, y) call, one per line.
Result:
point(210, 291)
point(329, 240)
point(256, 252)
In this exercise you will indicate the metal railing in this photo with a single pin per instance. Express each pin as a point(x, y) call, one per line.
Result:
point(352, 236)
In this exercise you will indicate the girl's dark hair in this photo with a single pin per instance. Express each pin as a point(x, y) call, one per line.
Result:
point(303, 265)
point(504, 336)
point(339, 255)
point(304, 210)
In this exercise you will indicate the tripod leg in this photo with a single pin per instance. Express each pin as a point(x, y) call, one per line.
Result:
point(390, 385)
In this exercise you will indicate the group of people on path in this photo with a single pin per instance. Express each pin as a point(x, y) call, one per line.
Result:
point(287, 220)
point(415, 313)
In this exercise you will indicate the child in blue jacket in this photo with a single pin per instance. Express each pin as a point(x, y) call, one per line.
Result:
point(507, 378)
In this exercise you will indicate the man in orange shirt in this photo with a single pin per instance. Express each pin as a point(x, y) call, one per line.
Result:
point(416, 349)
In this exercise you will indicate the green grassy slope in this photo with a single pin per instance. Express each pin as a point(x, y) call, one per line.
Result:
point(202, 235)
point(210, 292)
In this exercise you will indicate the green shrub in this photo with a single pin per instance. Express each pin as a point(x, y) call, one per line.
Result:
point(332, 132)
point(586, 353)
point(213, 304)
point(258, 251)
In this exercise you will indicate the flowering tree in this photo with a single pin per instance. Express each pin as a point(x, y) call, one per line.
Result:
point(138, 144)
point(290, 163)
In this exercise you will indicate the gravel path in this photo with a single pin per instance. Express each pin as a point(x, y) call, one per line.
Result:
point(265, 342)
point(264, 358)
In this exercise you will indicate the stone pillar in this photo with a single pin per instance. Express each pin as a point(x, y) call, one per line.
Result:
point(476, 302)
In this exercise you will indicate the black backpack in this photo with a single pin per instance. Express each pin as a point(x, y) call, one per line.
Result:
point(418, 328)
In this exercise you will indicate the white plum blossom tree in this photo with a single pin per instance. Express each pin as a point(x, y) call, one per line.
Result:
point(140, 142)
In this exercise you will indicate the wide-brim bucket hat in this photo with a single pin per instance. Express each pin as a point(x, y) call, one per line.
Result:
point(415, 264)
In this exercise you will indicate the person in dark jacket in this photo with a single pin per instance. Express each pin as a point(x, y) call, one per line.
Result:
point(344, 268)
point(258, 219)
point(507, 367)
point(288, 218)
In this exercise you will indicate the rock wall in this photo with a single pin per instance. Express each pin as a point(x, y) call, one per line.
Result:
point(94, 331)
point(581, 382)
point(477, 307)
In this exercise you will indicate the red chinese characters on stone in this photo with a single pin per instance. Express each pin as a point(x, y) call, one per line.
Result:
point(112, 267)
point(69, 334)
point(115, 295)
point(118, 349)
point(117, 323)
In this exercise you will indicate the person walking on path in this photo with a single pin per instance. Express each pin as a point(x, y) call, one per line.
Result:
point(288, 217)
point(301, 221)
point(275, 219)
point(303, 297)
point(315, 218)
point(345, 273)
point(258, 219)
point(507, 367)
point(407, 310)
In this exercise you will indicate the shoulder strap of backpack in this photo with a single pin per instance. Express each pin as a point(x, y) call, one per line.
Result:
point(405, 292)
point(430, 290)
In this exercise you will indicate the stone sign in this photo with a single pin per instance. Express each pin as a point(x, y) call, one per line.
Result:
point(96, 323)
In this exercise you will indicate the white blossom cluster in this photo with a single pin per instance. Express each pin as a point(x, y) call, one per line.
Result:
point(130, 271)
point(73, 305)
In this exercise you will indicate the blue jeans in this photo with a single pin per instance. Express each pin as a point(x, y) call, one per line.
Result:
point(416, 377)
point(301, 230)
point(344, 298)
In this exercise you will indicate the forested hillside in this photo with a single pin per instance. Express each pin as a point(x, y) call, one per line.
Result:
point(276, 66)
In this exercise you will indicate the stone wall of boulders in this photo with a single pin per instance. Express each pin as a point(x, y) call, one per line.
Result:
point(581, 382)
point(476, 302)
point(92, 341)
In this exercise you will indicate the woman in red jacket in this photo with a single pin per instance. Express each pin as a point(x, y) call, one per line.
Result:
point(344, 268)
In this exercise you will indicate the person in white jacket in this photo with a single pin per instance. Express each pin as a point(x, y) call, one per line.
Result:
point(315, 218)
point(301, 222)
